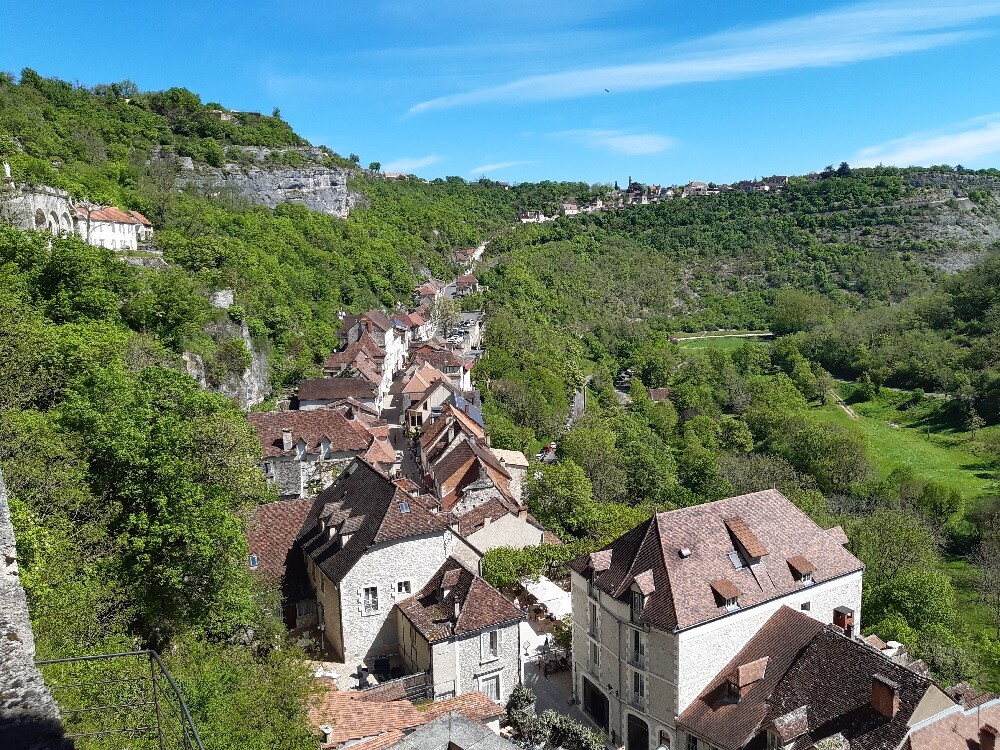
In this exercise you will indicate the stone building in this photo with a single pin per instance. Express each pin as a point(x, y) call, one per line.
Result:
point(320, 393)
point(464, 632)
point(304, 451)
point(368, 543)
point(659, 612)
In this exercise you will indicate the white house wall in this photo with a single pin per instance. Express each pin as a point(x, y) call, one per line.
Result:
point(415, 559)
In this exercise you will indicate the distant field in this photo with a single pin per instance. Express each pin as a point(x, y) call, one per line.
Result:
point(933, 455)
point(722, 341)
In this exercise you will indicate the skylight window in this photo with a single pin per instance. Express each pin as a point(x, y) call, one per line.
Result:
point(404, 507)
point(253, 562)
point(735, 559)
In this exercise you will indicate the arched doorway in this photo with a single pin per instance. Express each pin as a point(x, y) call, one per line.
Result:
point(638, 734)
point(39, 219)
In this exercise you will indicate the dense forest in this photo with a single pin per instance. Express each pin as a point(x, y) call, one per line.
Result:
point(131, 487)
point(846, 271)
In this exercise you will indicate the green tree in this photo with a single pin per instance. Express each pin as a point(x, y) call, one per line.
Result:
point(559, 495)
point(375, 166)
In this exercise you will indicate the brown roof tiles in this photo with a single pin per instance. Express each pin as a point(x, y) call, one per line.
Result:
point(683, 597)
point(312, 426)
point(746, 538)
point(331, 389)
point(725, 589)
point(480, 606)
point(800, 565)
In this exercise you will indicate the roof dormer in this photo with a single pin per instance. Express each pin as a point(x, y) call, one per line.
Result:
point(802, 569)
point(727, 594)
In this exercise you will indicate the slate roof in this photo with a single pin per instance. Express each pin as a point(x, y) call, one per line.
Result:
point(366, 501)
point(684, 597)
point(311, 426)
point(439, 358)
point(816, 684)
point(480, 605)
point(331, 389)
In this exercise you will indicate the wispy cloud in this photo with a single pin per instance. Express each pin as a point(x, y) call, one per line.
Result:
point(497, 166)
point(864, 31)
point(408, 164)
point(619, 141)
point(961, 143)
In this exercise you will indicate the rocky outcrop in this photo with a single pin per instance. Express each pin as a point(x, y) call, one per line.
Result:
point(314, 185)
point(29, 717)
point(248, 387)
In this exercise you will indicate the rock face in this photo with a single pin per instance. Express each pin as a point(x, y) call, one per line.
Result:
point(320, 188)
point(249, 387)
point(29, 717)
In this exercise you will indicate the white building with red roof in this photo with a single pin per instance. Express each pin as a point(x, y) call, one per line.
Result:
point(110, 227)
point(658, 613)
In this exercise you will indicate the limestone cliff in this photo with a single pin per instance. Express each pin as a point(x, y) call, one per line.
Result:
point(264, 178)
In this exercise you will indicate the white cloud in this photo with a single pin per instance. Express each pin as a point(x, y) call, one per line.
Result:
point(406, 165)
point(497, 166)
point(630, 144)
point(864, 31)
point(963, 143)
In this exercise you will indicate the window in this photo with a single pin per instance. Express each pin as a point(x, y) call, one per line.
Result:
point(489, 645)
point(638, 646)
point(732, 604)
point(402, 588)
point(595, 655)
point(253, 562)
point(490, 686)
point(305, 608)
point(692, 742)
point(807, 578)
point(637, 603)
point(774, 742)
point(371, 599)
point(404, 507)
point(805, 606)
point(593, 618)
point(735, 559)
point(638, 685)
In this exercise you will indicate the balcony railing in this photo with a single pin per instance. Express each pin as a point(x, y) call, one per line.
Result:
point(120, 700)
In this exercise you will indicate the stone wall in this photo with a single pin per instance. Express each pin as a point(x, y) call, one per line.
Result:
point(29, 717)
point(43, 208)
point(414, 559)
point(474, 667)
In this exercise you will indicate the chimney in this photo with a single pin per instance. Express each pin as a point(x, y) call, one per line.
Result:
point(522, 512)
point(458, 608)
point(885, 696)
point(286, 439)
point(349, 413)
point(987, 737)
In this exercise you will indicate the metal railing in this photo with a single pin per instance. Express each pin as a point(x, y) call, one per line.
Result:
point(106, 698)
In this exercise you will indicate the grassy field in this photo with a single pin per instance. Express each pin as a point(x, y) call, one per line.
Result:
point(716, 342)
point(920, 436)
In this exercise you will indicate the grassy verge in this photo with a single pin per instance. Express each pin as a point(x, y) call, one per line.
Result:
point(716, 342)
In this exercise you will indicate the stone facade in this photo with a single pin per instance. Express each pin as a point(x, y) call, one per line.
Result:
point(674, 667)
point(42, 208)
point(355, 635)
point(304, 473)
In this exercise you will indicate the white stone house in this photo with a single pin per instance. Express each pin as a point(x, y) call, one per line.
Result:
point(463, 632)
point(367, 544)
point(659, 612)
point(107, 226)
point(321, 393)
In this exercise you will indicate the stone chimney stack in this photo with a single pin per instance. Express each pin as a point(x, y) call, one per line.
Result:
point(286, 439)
point(522, 512)
point(987, 737)
point(885, 696)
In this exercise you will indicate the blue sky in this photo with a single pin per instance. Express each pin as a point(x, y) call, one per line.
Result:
point(663, 91)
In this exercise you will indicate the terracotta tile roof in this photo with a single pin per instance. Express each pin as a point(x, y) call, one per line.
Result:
point(440, 358)
point(330, 389)
point(514, 459)
point(312, 426)
point(746, 538)
point(108, 214)
point(350, 403)
point(141, 219)
point(494, 508)
point(725, 589)
point(958, 729)
point(467, 279)
point(421, 378)
point(683, 597)
point(480, 605)
point(363, 347)
point(380, 452)
point(719, 719)
point(837, 533)
point(378, 319)
point(272, 533)
point(800, 566)
point(369, 504)
point(659, 394)
point(456, 469)
point(432, 432)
